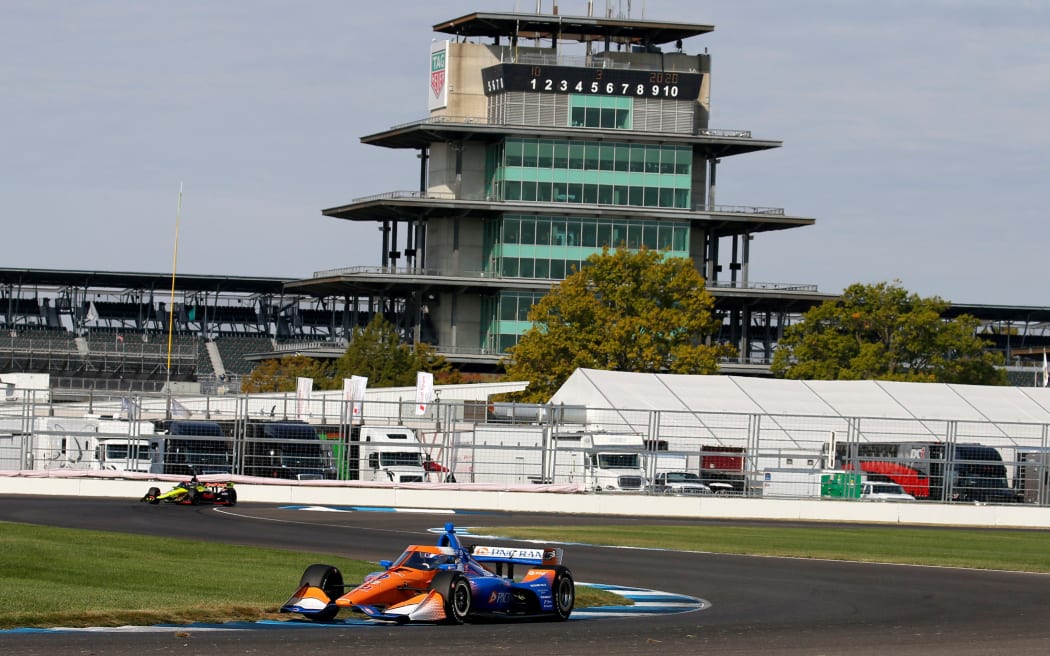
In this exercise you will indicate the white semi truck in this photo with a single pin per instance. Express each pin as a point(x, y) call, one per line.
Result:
point(516, 454)
point(382, 453)
point(85, 443)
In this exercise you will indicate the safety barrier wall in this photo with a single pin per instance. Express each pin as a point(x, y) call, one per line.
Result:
point(442, 498)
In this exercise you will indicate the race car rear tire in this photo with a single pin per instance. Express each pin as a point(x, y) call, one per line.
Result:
point(454, 589)
point(329, 579)
point(152, 494)
point(231, 496)
point(563, 591)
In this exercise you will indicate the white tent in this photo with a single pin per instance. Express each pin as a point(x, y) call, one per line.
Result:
point(731, 394)
point(806, 414)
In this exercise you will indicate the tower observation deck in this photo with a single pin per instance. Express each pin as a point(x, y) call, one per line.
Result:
point(548, 138)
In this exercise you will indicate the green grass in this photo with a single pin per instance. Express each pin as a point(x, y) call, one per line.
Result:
point(983, 549)
point(64, 577)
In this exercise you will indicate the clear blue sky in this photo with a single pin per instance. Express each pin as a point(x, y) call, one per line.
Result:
point(915, 132)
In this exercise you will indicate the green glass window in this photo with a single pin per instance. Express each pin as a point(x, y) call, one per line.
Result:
point(590, 156)
point(558, 269)
point(684, 161)
point(590, 193)
point(530, 158)
point(514, 149)
point(510, 267)
point(614, 113)
point(546, 155)
point(604, 234)
point(589, 234)
point(543, 192)
point(543, 232)
point(561, 155)
point(543, 269)
point(637, 161)
point(649, 233)
point(592, 172)
point(576, 155)
point(511, 227)
point(528, 232)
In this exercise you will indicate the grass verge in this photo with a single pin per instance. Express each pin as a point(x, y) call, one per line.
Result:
point(63, 577)
point(982, 549)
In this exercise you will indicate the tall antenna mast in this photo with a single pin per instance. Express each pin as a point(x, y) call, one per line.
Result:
point(171, 302)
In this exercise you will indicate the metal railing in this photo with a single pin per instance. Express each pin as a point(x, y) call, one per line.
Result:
point(440, 273)
point(443, 119)
point(445, 196)
point(752, 454)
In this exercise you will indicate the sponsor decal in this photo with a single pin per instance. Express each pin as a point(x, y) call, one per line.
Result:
point(509, 553)
point(499, 598)
point(538, 573)
point(437, 72)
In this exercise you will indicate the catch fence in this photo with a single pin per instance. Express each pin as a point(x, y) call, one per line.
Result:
point(521, 446)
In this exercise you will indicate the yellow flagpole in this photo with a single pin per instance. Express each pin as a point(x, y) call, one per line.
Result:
point(174, 260)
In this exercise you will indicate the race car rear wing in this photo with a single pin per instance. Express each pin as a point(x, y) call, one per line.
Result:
point(543, 556)
point(547, 556)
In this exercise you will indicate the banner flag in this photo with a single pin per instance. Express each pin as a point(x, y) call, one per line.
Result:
point(354, 394)
point(131, 407)
point(424, 391)
point(304, 387)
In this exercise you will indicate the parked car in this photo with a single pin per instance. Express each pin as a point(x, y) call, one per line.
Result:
point(682, 483)
point(884, 491)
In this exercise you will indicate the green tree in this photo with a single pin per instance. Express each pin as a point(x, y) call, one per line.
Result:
point(624, 311)
point(279, 374)
point(881, 332)
point(377, 352)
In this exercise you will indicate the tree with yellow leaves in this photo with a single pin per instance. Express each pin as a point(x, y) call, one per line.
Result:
point(624, 311)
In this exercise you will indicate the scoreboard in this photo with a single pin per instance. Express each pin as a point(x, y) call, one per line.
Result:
point(591, 81)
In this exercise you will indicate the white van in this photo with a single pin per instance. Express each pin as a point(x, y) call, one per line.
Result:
point(884, 491)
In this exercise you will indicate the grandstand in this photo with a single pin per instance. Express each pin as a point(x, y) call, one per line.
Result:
point(109, 330)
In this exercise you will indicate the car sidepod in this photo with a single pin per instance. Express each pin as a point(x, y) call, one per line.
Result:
point(549, 593)
point(492, 594)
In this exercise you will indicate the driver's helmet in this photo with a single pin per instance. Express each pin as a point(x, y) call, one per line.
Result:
point(429, 561)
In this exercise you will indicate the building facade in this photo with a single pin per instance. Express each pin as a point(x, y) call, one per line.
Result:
point(548, 139)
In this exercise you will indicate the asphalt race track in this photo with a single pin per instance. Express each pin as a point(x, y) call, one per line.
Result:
point(759, 605)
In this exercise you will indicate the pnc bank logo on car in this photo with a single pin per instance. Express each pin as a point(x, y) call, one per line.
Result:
point(507, 552)
point(500, 598)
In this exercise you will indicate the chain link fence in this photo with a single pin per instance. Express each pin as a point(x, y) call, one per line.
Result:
point(640, 451)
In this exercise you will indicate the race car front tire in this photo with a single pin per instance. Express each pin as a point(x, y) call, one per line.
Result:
point(151, 495)
point(563, 590)
point(454, 589)
point(231, 496)
point(329, 579)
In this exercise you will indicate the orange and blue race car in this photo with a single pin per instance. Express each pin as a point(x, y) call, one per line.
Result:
point(447, 583)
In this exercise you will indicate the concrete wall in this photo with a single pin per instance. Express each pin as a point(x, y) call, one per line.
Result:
point(462, 497)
